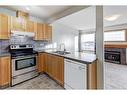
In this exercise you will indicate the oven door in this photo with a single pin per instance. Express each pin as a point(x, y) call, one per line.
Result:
point(21, 65)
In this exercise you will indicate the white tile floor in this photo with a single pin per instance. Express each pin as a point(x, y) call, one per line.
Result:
point(115, 76)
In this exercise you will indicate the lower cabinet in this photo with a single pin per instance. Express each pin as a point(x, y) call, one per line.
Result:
point(53, 66)
point(68, 73)
point(58, 69)
point(40, 61)
point(4, 71)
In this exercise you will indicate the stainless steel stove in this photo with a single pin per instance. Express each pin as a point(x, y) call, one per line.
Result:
point(23, 63)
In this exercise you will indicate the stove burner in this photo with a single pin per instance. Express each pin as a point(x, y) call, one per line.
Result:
point(21, 50)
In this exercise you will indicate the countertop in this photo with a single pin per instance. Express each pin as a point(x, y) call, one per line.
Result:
point(82, 57)
point(86, 58)
point(4, 54)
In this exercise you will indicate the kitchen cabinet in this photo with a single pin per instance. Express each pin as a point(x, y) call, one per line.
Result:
point(18, 24)
point(4, 71)
point(49, 37)
point(30, 26)
point(43, 32)
point(47, 32)
point(54, 67)
point(75, 75)
point(39, 32)
point(48, 64)
point(40, 63)
point(59, 69)
point(4, 26)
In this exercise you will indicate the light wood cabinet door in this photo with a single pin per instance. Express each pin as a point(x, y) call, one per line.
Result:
point(30, 26)
point(41, 61)
point(4, 71)
point(39, 31)
point(18, 24)
point(49, 36)
point(49, 64)
point(47, 30)
point(60, 70)
point(55, 67)
point(4, 26)
point(43, 32)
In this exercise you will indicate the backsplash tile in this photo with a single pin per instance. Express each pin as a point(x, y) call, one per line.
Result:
point(21, 40)
point(4, 44)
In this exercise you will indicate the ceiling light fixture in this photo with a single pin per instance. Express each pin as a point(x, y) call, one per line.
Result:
point(27, 8)
point(112, 18)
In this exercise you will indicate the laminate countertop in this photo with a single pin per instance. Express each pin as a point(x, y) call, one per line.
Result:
point(86, 58)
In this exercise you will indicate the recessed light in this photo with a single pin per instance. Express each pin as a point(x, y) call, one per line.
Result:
point(27, 8)
point(112, 18)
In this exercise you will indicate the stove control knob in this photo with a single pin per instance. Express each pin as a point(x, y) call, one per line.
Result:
point(14, 46)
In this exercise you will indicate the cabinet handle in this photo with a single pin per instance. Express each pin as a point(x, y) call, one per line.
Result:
point(81, 68)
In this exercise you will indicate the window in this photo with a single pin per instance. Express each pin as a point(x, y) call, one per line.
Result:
point(88, 42)
point(115, 36)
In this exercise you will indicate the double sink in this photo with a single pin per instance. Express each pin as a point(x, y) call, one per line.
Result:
point(61, 52)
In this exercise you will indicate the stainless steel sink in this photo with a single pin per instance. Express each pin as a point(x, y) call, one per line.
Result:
point(62, 52)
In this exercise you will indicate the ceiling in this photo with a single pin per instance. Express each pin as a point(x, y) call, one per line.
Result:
point(86, 18)
point(43, 12)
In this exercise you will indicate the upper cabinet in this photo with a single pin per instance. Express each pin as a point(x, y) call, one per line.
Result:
point(39, 31)
point(22, 23)
point(18, 24)
point(4, 26)
point(47, 32)
point(43, 32)
point(30, 26)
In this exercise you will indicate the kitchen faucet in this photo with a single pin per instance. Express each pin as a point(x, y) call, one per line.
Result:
point(62, 47)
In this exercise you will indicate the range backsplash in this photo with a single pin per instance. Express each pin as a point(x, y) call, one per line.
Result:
point(4, 44)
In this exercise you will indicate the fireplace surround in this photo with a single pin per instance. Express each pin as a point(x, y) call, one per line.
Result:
point(115, 55)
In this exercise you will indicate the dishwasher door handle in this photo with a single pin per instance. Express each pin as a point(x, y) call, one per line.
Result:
point(81, 68)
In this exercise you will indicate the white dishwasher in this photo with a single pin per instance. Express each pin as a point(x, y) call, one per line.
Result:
point(75, 75)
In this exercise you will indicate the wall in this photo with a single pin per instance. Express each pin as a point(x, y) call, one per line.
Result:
point(64, 34)
point(8, 12)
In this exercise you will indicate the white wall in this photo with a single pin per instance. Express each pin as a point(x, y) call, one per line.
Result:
point(8, 12)
point(64, 34)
